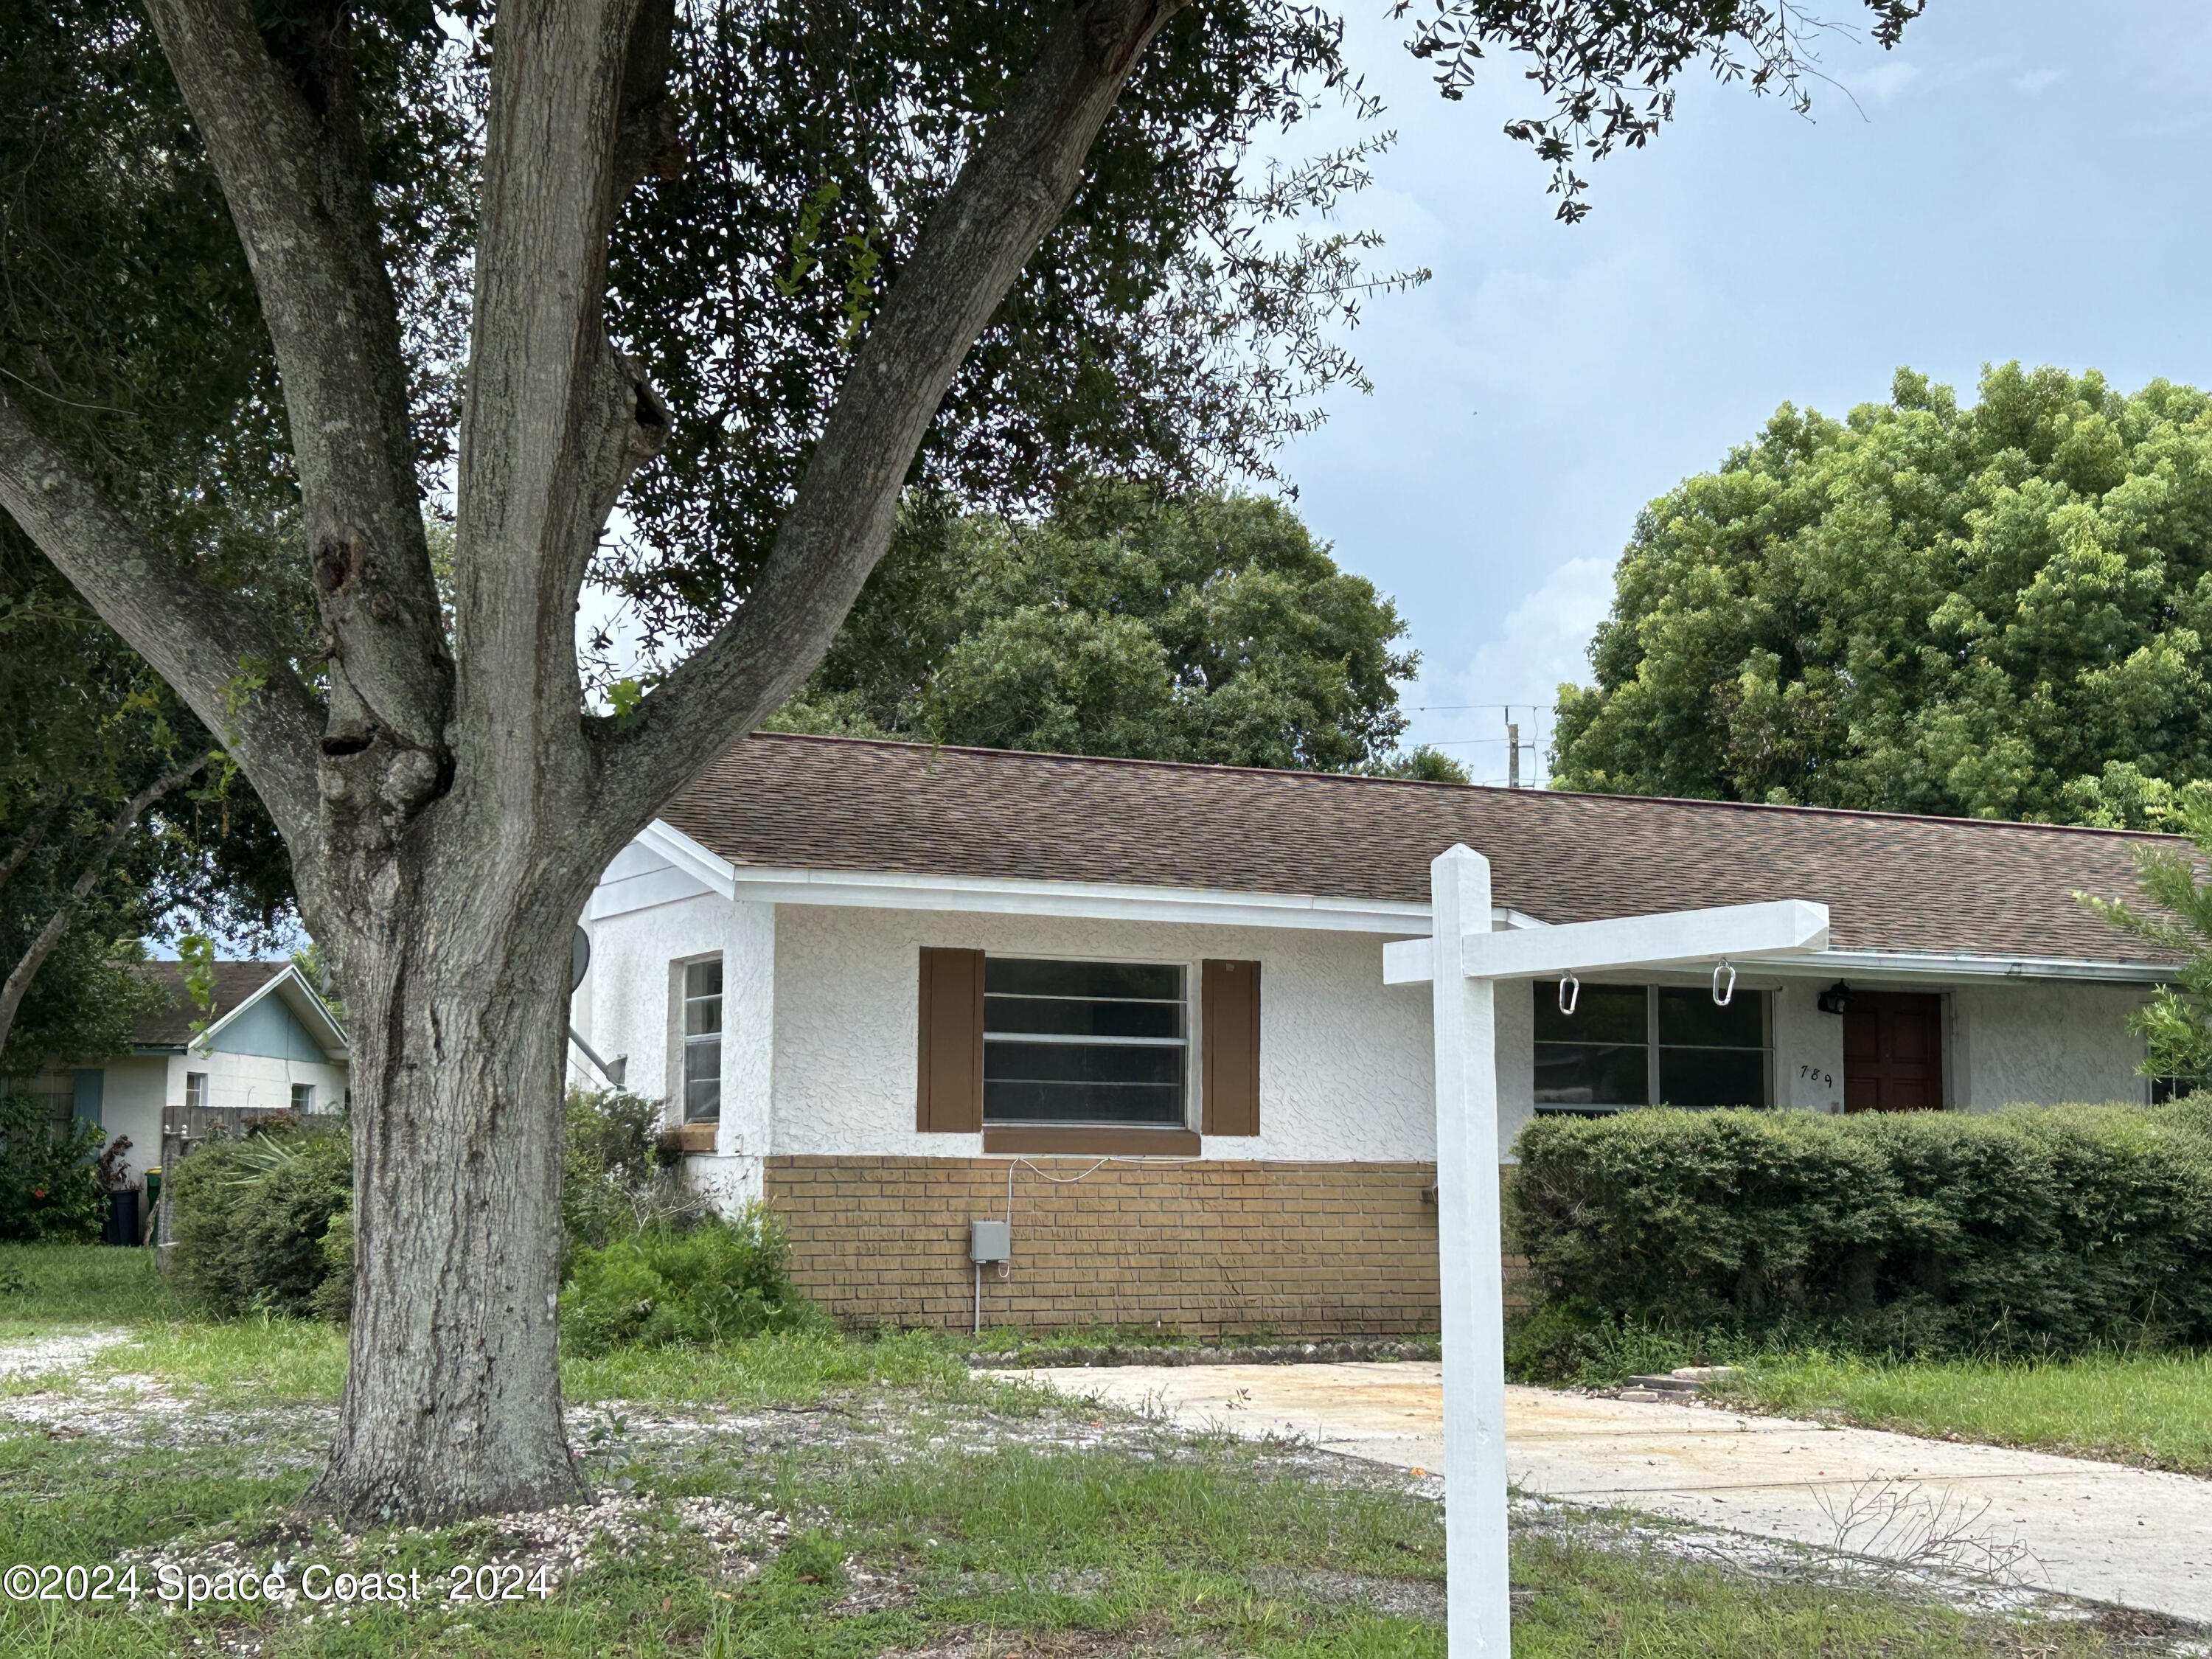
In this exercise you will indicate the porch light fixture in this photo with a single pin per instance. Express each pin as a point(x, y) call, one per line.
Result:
point(1835, 998)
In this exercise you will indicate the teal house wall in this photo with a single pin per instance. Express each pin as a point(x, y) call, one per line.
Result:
point(87, 1094)
point(267, 1029)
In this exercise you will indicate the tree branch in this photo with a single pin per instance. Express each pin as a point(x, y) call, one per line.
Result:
point(30, 841)
point(1006, 200)
point(19, 979)
point(287, 141)
point(556, 420)
point(214, 650)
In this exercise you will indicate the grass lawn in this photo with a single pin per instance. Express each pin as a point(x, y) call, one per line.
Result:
point(2153, 1408)
point(817, 1498)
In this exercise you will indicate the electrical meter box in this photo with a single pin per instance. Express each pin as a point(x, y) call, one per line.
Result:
point(990, 1241)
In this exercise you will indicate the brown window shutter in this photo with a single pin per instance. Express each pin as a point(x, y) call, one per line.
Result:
point(950, 1099)
point(1230, 1012)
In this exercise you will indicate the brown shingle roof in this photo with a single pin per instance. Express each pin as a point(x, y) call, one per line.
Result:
point(1892, 881)
point(172, 1027)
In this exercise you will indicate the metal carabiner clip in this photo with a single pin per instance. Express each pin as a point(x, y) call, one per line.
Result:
point(1571, 992)
point(1722, 999)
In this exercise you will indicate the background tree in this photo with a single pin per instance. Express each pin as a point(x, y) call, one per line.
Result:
point(2177, 1023)
point(748, 270)
point(1205, 627)
point(113, 824)
point(2001, 611)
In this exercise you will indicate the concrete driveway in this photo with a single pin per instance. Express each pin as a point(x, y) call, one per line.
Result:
point(2100, 1531)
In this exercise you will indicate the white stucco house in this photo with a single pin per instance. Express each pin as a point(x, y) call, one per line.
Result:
point(269, 1044)
point(892, 989)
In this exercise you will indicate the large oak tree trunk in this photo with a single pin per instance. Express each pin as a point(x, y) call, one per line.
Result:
point(447, 796)
point(452, 1402)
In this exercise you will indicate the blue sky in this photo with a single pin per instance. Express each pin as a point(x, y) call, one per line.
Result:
point(2021, 178)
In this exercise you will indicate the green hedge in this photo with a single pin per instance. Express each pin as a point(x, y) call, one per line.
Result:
point(265, 1222)
point(249, 1218)
point(2032, 1229)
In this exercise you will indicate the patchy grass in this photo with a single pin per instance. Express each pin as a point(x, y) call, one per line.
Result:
point(46, 1289)
point(811, 1497)
point(2153, 1409)
point(1588, 1602)
point(933, 1547)
point(264, 1361)
point(775, 1370)
point(239, 1362)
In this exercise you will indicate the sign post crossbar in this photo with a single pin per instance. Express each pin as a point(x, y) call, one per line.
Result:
point(1463, 960)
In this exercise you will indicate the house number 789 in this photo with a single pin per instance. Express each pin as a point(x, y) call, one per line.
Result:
point(1815, 1074)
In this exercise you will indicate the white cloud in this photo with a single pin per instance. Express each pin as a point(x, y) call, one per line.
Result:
point(2034, 81)
point(1884, 83)
point(1541, 642)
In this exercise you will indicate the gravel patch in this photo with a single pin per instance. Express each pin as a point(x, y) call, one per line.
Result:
point(55, 1353)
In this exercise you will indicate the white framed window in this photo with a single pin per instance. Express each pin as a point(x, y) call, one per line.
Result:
point(703, 1041)
point(1652, 1045)
point(1085, 1043)
point(303, 1097)
point(196, 1090)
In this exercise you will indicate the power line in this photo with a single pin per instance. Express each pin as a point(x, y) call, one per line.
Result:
point(1446, 708)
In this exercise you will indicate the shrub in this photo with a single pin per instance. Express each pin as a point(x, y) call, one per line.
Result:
point(50, 1185)
point(250, 1219)
point(266, 1223)
point(701, 1284)
point(614, 1181)
point(2033, 1229)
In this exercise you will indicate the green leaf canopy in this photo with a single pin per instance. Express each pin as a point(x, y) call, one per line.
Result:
point(1210, 629)
point(1996, 612)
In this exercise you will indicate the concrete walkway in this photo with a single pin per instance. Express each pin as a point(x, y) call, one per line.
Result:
point(2100, 1531)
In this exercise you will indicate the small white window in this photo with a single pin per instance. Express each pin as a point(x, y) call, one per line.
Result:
point(303, 1097)
point(703, 1041)
point(196, 1090)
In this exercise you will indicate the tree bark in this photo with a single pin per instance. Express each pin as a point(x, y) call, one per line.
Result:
point(34, 836)
point(452, 1402)
point(27, 969)
point(448, 813)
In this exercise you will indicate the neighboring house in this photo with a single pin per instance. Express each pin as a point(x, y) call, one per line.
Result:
point(270, 1043)
point(886, 985)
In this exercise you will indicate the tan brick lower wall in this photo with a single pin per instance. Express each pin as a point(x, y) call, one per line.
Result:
point(1297, 1249)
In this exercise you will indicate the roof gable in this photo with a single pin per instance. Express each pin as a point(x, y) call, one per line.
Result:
point(261, 1008)
point(267, 1028)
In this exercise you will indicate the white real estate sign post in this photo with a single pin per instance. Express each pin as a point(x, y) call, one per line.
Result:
point(1464, 960)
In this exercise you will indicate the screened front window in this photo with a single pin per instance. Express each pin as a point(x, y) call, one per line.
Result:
point(1083, 1042)
point(702, 1039)
point(1646, 1045)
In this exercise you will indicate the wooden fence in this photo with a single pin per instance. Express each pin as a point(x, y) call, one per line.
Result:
point(184, 1129)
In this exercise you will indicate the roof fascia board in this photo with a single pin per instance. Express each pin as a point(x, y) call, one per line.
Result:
point(1911, 965)
point(702, 865)
point(1097, 900)
point(1928, 964)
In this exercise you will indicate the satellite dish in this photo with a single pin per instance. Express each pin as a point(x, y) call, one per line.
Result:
point(579, 958)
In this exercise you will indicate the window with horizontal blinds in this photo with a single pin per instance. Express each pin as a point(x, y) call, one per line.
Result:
point(1102, 1044)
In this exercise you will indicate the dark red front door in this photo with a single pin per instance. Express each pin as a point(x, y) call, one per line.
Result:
point(1892, 1051)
